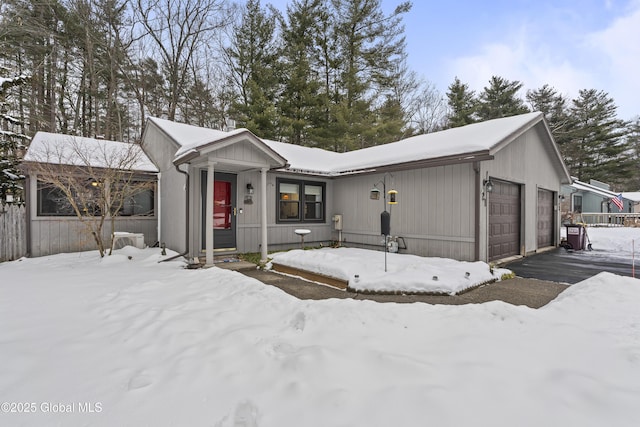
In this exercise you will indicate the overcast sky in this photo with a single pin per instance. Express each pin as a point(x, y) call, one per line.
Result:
point(569, 44)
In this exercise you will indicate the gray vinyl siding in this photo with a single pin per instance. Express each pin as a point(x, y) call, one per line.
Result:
point(59, 235)
point(241, 152)
point(50, 235)
point(434, 214)
point(279, 236)
point(171, 189)
point(526, 161)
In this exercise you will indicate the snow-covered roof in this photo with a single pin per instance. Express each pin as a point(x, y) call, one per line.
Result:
point(474, 138)
point(583, 186)
point(634, 196)
point(189, 137)
point(59, 149)
point(462, 143)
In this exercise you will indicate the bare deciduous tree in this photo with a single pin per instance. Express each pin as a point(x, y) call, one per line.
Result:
point(426, 109)
point(93, 179)
point(179, 29)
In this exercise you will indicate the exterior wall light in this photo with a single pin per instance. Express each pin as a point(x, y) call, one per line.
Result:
point(488, 185)
point(248, 197)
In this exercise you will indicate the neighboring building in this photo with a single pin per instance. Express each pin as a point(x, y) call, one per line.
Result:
point(485, 191)
point(593, 197)
point(52, 225)
point(633, 200)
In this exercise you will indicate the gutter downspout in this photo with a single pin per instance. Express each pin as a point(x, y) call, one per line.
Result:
point(187, 213)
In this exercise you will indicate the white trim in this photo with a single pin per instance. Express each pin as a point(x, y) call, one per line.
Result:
point(209, 196)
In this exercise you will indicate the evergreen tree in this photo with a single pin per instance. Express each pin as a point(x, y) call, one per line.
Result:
point(463, 104)
point(388, 124)
point(500, 99)
point(370, 46)
point(300, 103)
point(253, 59)
point(328, 129)
point(598, 148)
point(553, 105)
point(633, 138)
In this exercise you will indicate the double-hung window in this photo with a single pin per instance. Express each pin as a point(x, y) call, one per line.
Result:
point(300, 201)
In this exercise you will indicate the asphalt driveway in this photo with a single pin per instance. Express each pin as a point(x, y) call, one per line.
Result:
point(560, 265)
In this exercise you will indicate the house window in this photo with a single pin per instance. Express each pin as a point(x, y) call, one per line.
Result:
point(141, 203)
point(300, 201)
point(313, 205)
point(577, 203)
point(53, 202)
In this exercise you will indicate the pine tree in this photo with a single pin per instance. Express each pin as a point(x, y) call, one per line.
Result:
point(300, 103)
point(253, 60)
point(370, 46)
point(598, 148)
point(553, 105)
point(633, 137)
point(500, 99)
point(463, 104)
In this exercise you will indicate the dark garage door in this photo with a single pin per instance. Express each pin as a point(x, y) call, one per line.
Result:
point(545, 218)
point(504, 220)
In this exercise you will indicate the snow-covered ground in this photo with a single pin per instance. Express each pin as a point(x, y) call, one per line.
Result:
point(142, 343)
point(617, 241)
point(364, 270)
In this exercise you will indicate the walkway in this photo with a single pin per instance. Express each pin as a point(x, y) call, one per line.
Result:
point(518, 291)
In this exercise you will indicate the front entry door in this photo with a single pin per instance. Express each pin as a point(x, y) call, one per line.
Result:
point(224, 210)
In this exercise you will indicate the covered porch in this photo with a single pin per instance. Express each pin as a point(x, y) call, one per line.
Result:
point(222, 185)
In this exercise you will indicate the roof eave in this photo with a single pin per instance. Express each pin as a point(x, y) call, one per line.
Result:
point(475, 156)
point(226, 140)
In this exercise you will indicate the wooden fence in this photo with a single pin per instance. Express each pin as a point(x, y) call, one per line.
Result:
point(13, 232)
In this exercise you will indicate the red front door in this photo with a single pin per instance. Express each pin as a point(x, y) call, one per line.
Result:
point(222, 208)
point(224, 202)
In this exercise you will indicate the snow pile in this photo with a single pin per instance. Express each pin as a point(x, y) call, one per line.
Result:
point(618, 240)
point(127, 341)
point(364, 270)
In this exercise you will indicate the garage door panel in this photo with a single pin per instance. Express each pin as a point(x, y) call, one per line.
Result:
point(546, 221)
point(504, 220)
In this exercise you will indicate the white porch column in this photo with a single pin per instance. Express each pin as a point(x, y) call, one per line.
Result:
point(209, 212)
point(263, 213)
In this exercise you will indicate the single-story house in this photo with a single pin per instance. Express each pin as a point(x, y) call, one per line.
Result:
point(633, 199)
point(485, 191)
point(52, 224)
point(593, 197)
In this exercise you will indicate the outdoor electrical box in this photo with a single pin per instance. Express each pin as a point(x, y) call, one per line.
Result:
point(337, 222)
point(385, 223)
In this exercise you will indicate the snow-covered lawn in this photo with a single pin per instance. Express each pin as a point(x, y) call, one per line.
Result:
point(616, 241)
point(142, 343)
point(364, 270)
